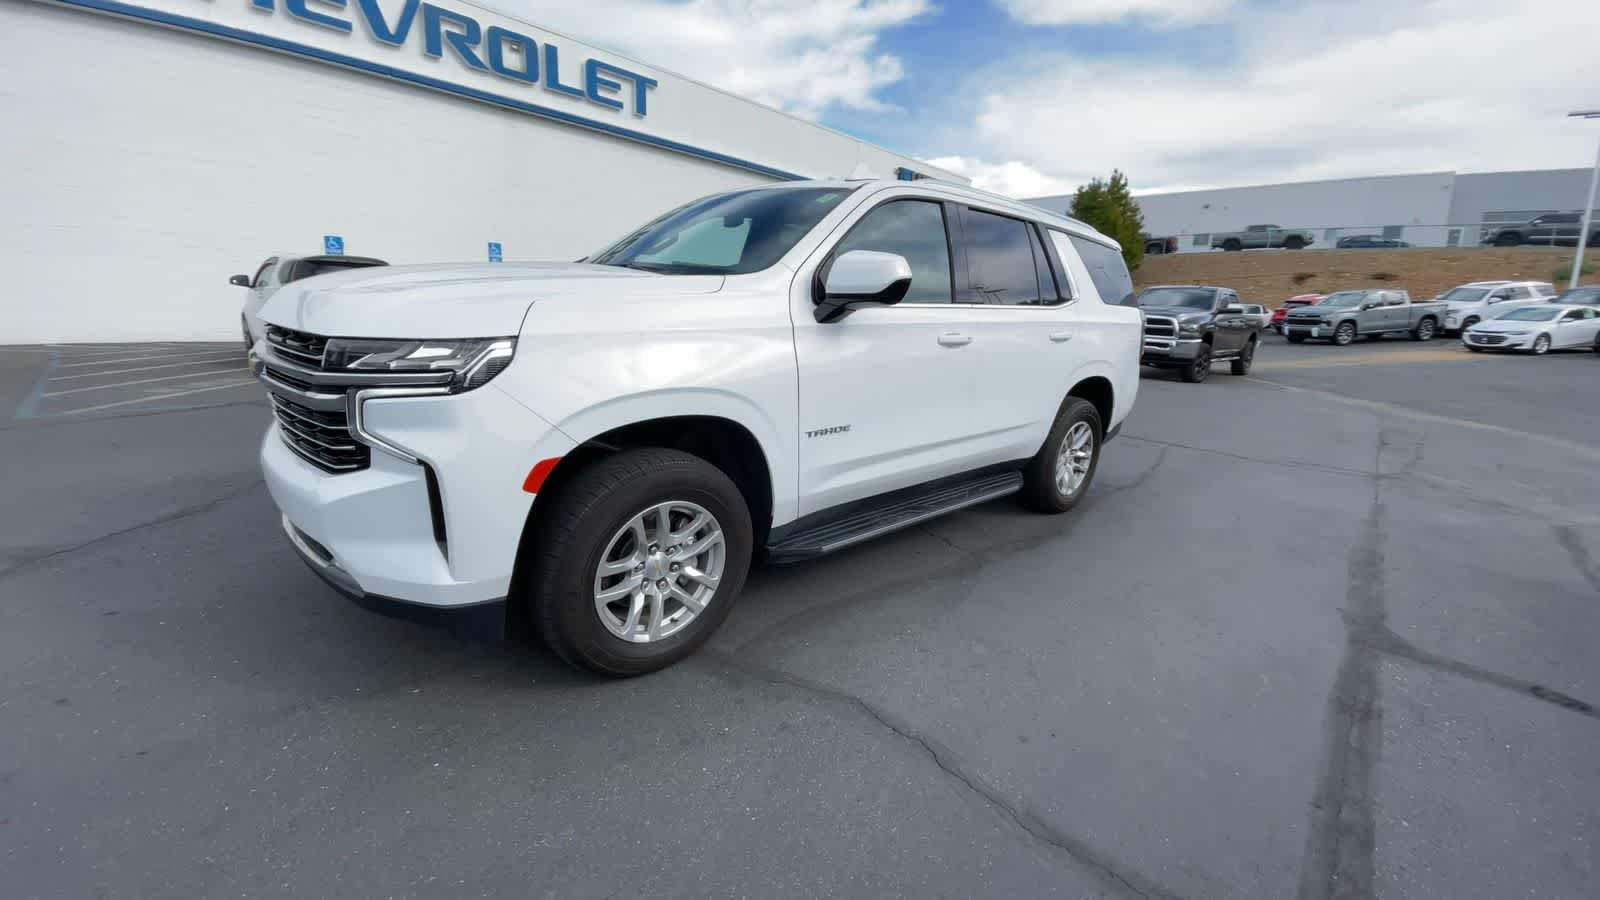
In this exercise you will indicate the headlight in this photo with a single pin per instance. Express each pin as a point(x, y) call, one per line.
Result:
point(1188, 329)
point(473, 361)
point(1325, 321)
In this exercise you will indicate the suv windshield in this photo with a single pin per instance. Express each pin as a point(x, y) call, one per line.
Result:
point(1531, 314)
point(1187, 298)
point(726, 234)
point(1343, 299)
point(1464, 295)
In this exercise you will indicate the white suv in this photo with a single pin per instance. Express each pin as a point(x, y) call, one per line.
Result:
point(1469, 304)
point(597, 450)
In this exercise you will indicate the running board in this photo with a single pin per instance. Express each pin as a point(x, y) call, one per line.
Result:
point(900, 510)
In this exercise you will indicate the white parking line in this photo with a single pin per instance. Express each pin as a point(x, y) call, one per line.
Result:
point(123, 384)
point(216, 387)
point(231, 357)
point(157, 355)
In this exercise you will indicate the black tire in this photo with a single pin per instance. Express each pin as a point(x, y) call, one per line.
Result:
point(1232, 244)
point(589, 509)
point(1344, 334)
point(1040, 491)
point(1541, 345)
point(1296, 338)
point(1198, 368)
point(1294, 243)
point(1425, 329)
point(1507, 240)
point(1471, 321)
point(1473, 349)
point(1247, 356)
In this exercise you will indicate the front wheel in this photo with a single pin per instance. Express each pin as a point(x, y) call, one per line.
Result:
point(1197, 370)
point(1247, 356)
point(1344, 334)
point(1059, 474)
point(1425, 330)
point(638, 562)
point(1294, 243)
point(1541, 345)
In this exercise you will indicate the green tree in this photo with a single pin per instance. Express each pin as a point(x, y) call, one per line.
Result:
point(1109, 207)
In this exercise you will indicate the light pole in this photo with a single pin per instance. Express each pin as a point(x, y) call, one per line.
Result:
point(1588, 208)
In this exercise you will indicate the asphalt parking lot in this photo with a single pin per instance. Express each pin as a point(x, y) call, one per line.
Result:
point(1327, 631)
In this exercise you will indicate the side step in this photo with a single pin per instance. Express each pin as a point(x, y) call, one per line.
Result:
point(897, 510)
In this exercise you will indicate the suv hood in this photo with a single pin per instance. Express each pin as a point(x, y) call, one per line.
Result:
point(1460, 305)
point(1175, 312)
point(462, 300)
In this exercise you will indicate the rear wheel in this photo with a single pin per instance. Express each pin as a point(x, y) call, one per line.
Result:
point(1425, 330)
point(1345, 333)
point(1247, 356)
point(1232, 244)
point(639, 561)
point(1059, 474)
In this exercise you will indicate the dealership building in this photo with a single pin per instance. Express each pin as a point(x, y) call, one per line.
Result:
point(1432, 209)
point(153, 148)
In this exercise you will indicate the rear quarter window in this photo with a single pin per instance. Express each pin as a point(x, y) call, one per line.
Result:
point(1106, 268)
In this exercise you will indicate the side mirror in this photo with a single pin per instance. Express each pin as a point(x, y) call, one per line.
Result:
point(862, 278)
point(240, 280)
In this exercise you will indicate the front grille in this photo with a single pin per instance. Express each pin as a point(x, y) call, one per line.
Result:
point(1302, 323)
point(320, 437)
point(1160, 327)
point(297, 346)
point(1490, 339)
point(279, 374)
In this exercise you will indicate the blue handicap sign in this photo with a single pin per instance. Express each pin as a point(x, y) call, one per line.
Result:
point(494, 251)
point(333, 245)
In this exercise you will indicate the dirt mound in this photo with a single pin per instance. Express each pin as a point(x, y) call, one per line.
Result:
point(1268, 276)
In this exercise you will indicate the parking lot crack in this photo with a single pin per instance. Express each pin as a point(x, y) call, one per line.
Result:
point(175, 515)
point(1572, 542)
point(1263, 460)
point(1035, 827)
point(1139, 480)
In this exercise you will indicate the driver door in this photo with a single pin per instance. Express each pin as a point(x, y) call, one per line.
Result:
point(886, 393)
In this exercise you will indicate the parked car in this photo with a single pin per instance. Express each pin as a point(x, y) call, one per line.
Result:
point(1469, 304)
point(1257, 313)
point(1368, 241)
point(1297, 300)
point(278, 270)
point(1188, 327)
point(1342, 316)
point(1537, 329)
point(1159, 246)
point(1257, 237)
point(1550, 229)
point(1586, 295)
point(801, 368)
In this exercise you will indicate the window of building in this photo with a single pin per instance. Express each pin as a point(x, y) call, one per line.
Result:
point(1394, 232)
point(1201, 240)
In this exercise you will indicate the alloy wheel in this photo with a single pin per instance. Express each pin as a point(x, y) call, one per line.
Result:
point(1074, 458)
point(659, 571)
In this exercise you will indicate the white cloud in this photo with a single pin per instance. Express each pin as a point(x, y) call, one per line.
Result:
point(802, 58)
point(1097, 12)
point(1013, 179)
point(1329, 90)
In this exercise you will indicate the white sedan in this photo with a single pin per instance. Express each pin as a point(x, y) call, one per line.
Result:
point(1258, 314)
point(1537, 329)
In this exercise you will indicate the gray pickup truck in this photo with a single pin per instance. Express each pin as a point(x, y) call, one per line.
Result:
point(1258, 237)
point(1343, 316)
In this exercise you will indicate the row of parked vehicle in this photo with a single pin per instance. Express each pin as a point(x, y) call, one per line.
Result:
point(1488, 315)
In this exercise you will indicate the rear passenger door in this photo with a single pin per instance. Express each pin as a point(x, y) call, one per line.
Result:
point(1023, 331)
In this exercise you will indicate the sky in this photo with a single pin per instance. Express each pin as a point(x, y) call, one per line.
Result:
point(1034, 97)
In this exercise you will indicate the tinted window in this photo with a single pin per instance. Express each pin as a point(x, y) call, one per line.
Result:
point(999, 258)
point(914, 229)
point(727, 234)
point(1106, 268)
point(1518, 293)
point(1394, 298)
point(263, 273)
point(1177, 298)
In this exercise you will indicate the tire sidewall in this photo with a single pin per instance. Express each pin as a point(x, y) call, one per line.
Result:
point(1077, 410)
point(1426, 329)
point(1344, 334)
point(1541, 345)
point(573, 582)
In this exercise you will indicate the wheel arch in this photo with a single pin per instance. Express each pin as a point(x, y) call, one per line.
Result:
point(1101, 394)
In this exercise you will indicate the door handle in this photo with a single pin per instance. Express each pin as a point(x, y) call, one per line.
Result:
point(952, 339)
point(1061, 337)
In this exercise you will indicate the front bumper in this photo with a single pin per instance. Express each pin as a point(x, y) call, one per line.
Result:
point(384, 532)
point(1308, 329)
point(1506, 341)
point(1163, 351)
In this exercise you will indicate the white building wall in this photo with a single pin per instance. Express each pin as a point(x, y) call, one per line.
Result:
point(143, 165)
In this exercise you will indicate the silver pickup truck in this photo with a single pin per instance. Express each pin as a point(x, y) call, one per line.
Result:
point(1343, 316)
point(1258, 237)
